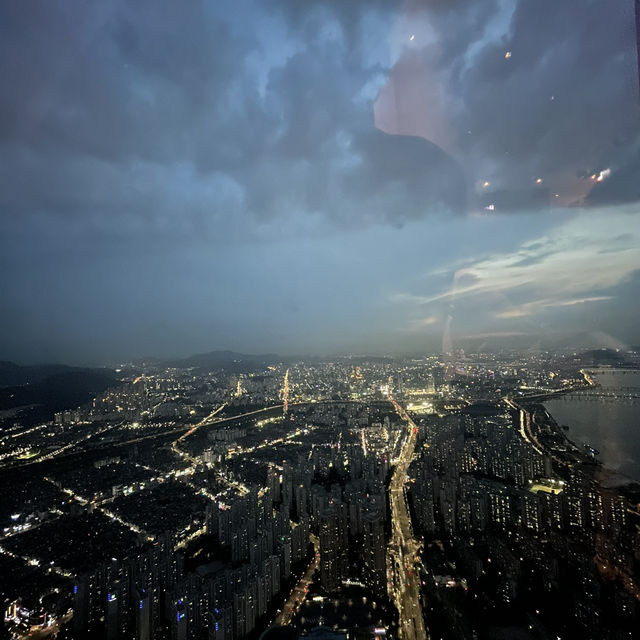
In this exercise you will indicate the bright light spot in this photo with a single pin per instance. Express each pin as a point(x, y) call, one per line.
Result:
point(490, 207)
point(507, 55)
point(538, 180)
point(486, 184)
point(603, 175)
point(412, 37)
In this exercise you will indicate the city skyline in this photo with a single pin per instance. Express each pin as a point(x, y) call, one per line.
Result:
point(460, 496)
point(319, 320)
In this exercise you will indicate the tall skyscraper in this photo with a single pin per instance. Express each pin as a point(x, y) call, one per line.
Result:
point(330, 571)
point(374, 550)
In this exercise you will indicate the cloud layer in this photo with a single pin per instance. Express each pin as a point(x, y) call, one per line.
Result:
point(548, 281)
point(158, 160)
point(219, 117)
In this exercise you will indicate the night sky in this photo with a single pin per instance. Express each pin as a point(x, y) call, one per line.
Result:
point(307, 177)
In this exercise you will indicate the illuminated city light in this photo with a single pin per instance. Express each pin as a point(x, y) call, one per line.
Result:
point(357, 434)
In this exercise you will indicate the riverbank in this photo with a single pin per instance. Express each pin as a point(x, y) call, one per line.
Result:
point(555, 442)
point(606, 417)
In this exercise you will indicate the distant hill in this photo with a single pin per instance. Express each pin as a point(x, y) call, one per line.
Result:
point(65, 388)
point(610, 357)
point(228, 360)
point(243, 362)
point(12, 374)
point(361, 358)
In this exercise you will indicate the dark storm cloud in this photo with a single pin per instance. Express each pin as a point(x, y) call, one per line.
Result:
point(190, 119)
point(528, 92)
point(125, 112)
point(564, 101)
point(145, 146)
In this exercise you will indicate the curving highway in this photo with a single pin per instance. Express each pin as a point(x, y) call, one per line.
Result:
point(404, 582)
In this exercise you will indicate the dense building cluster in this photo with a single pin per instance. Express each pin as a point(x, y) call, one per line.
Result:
point(530, 540)
point(187, 503)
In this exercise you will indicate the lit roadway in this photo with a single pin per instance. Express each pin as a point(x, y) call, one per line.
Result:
point(285, 392)
point(202, 423)
point(297, 596)
point(525, 425)
point(527, 431)
point(404, 582)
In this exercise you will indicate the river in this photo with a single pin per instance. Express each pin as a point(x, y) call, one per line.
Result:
point(611, 425)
